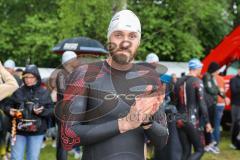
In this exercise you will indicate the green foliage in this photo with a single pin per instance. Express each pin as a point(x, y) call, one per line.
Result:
point(37, 40)
point(179, 30)
point(175, 30)
point(84, 18)
point(27, 31)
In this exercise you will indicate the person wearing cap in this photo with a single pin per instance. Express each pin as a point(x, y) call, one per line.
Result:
point(109, 106)
point(68, 62)
point(152, 58)
point(10, 67)
point(68, 65)
point(29, 109)
point(211, 96)
point(7, 83)
point(190, 104)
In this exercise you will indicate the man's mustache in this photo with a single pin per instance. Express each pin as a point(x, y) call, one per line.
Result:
point(123, 46)
point(123, 50)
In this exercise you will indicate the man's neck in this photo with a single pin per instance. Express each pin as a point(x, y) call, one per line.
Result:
point(121, 67)
point(192, 74)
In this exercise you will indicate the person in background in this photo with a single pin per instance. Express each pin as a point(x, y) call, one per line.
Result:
point(191, 105)
point(29, 109)
point(221, 102)
point(172, 84)
point(153, 60)
point(52, 127)
point(10, 67)
point(19, 72)
point(174, 78)
point(8, 85)
point(211, 95)
point(183, 74)
point(69, 59)
point(235, 101)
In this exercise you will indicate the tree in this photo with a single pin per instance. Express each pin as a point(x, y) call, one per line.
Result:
point(175, 30)
point(27, 31)
point(179, 30)
point(84, 18)
point(234, 8)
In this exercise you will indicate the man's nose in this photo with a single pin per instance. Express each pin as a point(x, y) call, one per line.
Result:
point(125, 44)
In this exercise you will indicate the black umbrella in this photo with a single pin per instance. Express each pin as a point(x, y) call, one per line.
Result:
point(80, 45)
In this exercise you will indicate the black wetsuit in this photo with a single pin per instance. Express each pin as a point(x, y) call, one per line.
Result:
point(97, 96)
point(191, 105)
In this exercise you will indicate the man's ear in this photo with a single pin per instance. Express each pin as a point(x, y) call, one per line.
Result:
point(139, 43)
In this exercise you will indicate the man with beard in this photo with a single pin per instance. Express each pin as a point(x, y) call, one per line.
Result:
point(109, 107)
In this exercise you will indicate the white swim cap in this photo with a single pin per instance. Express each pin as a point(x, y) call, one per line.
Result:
point(124, 20)
point(151, 58)
point(67, 56)
point(9, 64)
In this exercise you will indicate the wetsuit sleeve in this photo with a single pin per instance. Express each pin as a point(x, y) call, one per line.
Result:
point(90, 134)
point(201, 101)
point(158, 132)
point(76, 131)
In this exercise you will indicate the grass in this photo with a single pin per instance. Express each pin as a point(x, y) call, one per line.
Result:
point(226, 153)
point(48, 153)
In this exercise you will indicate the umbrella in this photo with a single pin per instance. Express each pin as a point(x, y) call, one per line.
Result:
point(80, 45)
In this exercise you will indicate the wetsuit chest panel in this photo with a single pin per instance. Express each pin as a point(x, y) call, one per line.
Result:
point(110, 97)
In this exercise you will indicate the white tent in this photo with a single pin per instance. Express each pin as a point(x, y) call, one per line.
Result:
point(175, 67)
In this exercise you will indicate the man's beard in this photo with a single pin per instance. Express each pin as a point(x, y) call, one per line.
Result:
point(122, 58)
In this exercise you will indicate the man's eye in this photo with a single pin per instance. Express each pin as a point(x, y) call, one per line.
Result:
point(118, 35)
point(133, 36)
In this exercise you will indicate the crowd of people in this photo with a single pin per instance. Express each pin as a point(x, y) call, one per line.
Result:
point(116, 109)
